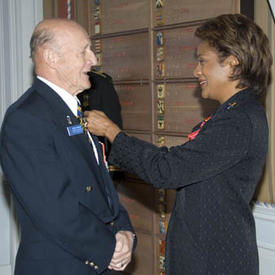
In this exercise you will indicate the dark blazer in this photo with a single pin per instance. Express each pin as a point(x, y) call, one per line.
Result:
point(102, 96)
point(66, 203)
point(211, 229)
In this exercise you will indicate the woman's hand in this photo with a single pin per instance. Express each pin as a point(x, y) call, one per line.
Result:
point(100, 125)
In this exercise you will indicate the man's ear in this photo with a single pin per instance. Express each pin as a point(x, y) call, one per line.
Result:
point(50, 56)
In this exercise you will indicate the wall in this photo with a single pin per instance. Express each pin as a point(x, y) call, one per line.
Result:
point(16, 23)
point(17, 20)
point(264, 212)
point(263, 17)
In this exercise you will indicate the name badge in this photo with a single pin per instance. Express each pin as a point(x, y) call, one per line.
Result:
point(75, 130)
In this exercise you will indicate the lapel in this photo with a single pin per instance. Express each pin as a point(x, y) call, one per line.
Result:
point(237, 99)
point(107, 181)
point(59, 113)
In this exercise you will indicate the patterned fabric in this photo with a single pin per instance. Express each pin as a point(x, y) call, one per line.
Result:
point(211, 229)
point(79, 111)
point(195, 133)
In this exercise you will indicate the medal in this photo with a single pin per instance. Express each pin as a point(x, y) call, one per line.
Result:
point(161, 262)
point(159, 38)
point(160, 70)
point(160, 106)
point(161, 141)
point(99, 59)
point(97, 28)
point(97, 44)
point(160, 54)
point(231, 105)
point(69, 120)
point(160, 122)
point(161, 90)
point(84, 124)
point(159, 4)
point(159, 18)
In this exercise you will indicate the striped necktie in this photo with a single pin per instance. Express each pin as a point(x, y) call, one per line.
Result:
point(79, 112)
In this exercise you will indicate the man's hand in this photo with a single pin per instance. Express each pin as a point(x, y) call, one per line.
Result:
point(123, 250)
point(100, 125)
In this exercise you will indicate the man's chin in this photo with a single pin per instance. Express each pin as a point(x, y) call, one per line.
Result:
point(88, 86)
point(85, 87)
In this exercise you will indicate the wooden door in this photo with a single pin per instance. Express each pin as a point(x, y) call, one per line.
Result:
point(148, 48)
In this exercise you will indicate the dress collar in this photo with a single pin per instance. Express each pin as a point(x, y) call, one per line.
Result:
point(69, 99)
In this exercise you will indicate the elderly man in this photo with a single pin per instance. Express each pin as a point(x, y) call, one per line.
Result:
point(71, 220)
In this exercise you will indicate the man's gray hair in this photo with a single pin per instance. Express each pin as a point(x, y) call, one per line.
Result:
point(40, 38)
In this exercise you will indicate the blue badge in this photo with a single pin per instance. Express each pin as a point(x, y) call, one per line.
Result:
point(75, 130)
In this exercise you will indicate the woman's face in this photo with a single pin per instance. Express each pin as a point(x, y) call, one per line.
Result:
point(212, 75)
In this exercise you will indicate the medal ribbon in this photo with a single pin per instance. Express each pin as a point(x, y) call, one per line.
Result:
point(92, 142)
point(83, 124)
point(195, 133)
point(80, 116)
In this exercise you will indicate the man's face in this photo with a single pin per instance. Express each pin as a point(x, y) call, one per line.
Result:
point(74, 61)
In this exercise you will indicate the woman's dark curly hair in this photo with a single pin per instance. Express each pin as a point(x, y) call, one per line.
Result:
point(237, 35)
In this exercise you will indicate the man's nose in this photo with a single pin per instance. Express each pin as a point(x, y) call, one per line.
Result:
point(92, 58)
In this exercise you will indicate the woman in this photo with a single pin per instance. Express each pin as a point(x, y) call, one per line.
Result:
point(211, 230)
